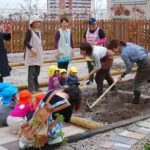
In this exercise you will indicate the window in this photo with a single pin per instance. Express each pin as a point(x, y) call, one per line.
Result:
point(129, 1)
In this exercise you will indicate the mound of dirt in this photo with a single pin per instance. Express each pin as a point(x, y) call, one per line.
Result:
point(114, 107)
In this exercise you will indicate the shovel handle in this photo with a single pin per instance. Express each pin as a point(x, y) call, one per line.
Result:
point(81, 84)
point(103, 94)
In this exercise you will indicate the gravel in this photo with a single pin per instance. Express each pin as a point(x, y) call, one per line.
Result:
point(95, 142)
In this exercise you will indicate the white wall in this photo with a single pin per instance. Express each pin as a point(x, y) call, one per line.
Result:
point(145, 7)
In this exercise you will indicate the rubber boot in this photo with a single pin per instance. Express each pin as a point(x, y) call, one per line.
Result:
point(136, 99)
point(100, 90)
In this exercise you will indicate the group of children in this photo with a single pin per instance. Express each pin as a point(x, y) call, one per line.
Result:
point(58, 78)
point(15, 106)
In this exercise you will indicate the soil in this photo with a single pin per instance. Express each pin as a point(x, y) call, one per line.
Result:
point(115, 106)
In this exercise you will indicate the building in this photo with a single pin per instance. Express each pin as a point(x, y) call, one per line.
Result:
point(139, 9)
point(76, 9)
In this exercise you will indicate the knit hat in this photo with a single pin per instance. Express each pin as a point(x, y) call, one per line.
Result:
point(74, 69)
point(92, 21)
point(24, 97)
point(4, 85)
point(39, 97)
point(35, 18)
point(52, 70)
point(63, 71)
point(7, 94)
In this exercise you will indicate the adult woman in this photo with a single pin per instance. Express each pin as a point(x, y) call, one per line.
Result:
point(4, 66)
point(71, 95)
point(94, 36)
point(103, 59)
point(63, 45)
point(33, 53)
point(132, 53)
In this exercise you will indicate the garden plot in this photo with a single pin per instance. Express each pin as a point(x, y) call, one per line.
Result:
point(115, 106)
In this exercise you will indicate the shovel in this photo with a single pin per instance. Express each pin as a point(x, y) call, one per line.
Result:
point(100, 98)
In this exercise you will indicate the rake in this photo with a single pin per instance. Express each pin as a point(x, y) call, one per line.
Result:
point(100, 98)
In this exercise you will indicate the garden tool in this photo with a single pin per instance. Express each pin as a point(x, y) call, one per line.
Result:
point(100, 98)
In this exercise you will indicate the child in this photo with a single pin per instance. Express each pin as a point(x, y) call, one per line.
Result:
point(3, 85)
point(54, 78)
point(63, 77)
point(38, 98)
point(22, 108)
point(73, 78)
point(9, 98)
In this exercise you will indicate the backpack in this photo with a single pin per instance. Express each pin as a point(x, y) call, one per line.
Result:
point(41, 116)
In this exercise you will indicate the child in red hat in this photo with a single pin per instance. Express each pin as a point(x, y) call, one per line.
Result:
point(22, 108)
point(39, 97)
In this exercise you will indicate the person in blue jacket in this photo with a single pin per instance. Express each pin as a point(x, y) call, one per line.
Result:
point(9, 98)
point(72, 77)
point(132, 53)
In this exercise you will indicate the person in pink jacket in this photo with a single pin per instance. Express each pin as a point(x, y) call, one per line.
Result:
point(22, 108)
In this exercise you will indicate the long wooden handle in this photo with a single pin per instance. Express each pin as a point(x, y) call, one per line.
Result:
point(81, 84)
point(103, 94)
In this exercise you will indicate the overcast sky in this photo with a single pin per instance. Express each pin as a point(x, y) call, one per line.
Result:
point(12, 4)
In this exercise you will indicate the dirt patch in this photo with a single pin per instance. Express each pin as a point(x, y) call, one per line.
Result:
point(115, 106)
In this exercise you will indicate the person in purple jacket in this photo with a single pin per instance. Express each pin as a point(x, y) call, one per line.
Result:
point(54, 78)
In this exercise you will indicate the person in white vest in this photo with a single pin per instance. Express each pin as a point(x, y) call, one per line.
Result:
point(94, 36)
point(33, 52)
point(63, 45)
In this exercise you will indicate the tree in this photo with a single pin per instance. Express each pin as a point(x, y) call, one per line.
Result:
point(29, 7)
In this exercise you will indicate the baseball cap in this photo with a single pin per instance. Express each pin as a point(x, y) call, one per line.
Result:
point(92, 21)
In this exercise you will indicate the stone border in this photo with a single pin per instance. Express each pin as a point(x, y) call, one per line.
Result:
point(87, 134)
point(107, 128)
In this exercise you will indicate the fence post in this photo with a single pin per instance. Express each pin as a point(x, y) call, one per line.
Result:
point(12, 39)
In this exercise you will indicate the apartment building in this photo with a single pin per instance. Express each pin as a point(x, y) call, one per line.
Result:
point(76, 9)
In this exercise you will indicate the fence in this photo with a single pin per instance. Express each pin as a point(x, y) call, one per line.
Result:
point(136, 31)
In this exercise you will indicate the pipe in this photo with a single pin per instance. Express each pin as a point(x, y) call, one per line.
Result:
point(78, 59)
point(47, 61)
point(44, 84)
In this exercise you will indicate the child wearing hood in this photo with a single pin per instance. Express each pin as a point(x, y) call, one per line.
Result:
point(73, 78)
point(63, 77)
point(22, 108)
point(54, 78)
point(9, 98)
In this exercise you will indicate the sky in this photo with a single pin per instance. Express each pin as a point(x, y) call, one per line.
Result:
point(14, 4)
